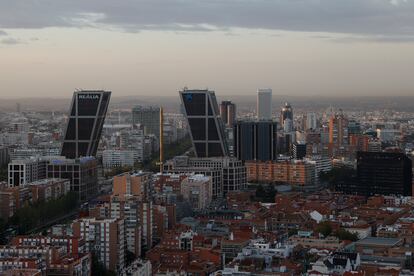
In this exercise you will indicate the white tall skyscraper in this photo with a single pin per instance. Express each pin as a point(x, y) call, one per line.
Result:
point(264, 104)
point(311, 121)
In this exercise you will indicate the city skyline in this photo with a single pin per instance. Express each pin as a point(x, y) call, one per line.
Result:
point(333, 48)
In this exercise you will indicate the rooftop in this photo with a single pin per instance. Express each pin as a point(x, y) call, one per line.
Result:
point(378, 241)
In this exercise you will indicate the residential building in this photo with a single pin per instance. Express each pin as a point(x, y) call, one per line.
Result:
point(105, 238)
point(197, 189)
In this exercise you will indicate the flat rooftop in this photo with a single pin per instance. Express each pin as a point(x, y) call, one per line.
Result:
point(378, 241)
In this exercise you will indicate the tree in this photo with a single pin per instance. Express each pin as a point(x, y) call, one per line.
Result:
point(129, 257)
point(292, 232)
point(3, 173)
point(265, 193)
point(98, 269)
point(343, 234)
point(38, 214)
point(324, 228)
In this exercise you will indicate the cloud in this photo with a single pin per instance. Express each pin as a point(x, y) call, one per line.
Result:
point(10, 41)
point(389, 19)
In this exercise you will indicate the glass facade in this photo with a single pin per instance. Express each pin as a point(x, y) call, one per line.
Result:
point(255, 140)
point(205, 124)
point(87, 116)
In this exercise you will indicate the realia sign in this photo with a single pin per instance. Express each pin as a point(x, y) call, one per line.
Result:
point(93, 97)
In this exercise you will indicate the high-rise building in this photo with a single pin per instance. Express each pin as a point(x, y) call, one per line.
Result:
point(338, 130)
point(255, 140)
point(287, 125)
point(311, 121)
point(128, 208)
point(86, 119)
point(197, 189)
point(299, 150)
point(205, 124)
point(148, 117)
point(105, 238)
point(228, 113)
point(386, 173)
point(354, 127)
point(286, 113)
point(264, 104)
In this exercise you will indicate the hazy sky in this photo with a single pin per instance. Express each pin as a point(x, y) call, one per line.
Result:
point(149, 47)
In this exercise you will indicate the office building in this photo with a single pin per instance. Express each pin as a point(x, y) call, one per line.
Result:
point(227, 174)
point(23, 172)
point(311, 121)
point(286, 113)
point(148, 117)
point(299, 150)
point(86, 119)
point(287, 125)
point(118, 158)
point(354, 127)
point(82, 173)
point(383, 173)
point(264, 104)
point(228, 113)
point(255, 140)
point(205, 124)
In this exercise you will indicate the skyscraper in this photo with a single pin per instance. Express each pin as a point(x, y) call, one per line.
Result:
point(338, 130)
point(228, 113)
point(311, 121)
point(286, 113)
point(264, 104)
point(255, 140)
point(86, 119)
point(206, 127)
point(148, 117)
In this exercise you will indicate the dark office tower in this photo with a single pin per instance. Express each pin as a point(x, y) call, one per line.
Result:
point(206, 126)
point(299, 150)
point(286, 113)
point(228, 113)
point(148, 117)
point(255, 140)
point(354, 127)
point(384, 173)
point(86, 119)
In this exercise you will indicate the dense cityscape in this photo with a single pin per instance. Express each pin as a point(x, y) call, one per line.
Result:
point(206, 187)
